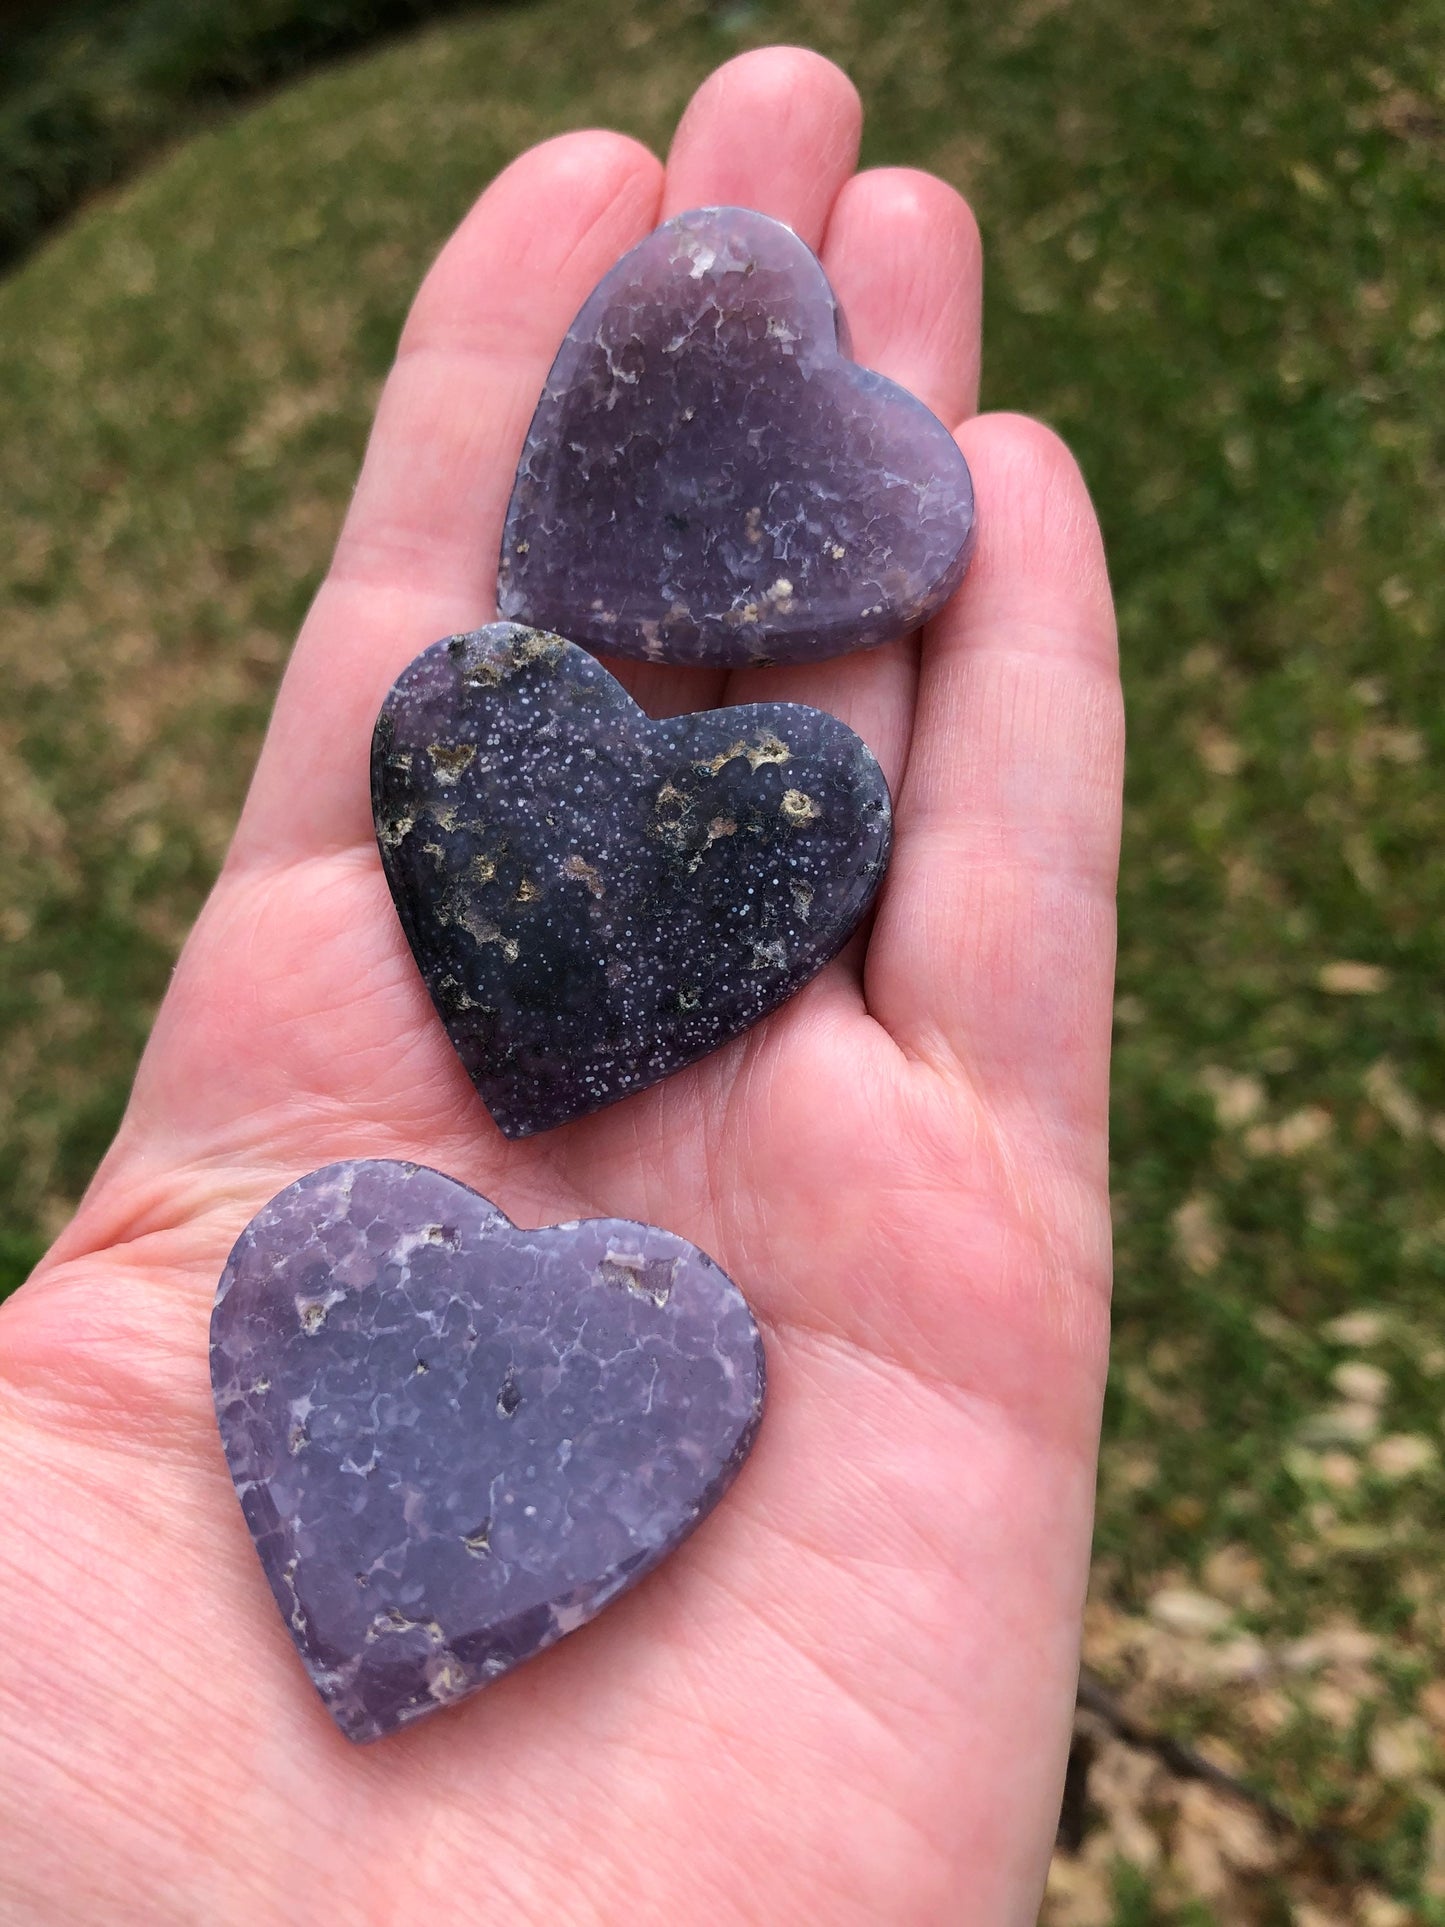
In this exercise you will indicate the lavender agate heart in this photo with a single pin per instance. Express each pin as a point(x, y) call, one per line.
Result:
point(455, 1441)
point(595, 899)
point(709, 478)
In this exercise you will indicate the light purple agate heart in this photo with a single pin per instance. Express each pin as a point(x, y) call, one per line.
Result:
point(709, 478)
point(454, 1440)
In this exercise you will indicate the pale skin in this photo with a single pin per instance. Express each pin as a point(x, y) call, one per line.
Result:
point(848, 1697)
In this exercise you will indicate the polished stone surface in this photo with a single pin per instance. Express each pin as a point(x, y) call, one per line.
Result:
point(454, 1440)
point(709, 478)
point(595, 899)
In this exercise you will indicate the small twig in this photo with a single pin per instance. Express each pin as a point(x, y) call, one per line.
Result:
point(1332, 1849)
point(1182, 1760)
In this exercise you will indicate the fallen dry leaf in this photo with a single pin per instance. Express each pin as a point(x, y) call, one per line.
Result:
point(1221, 755)
point(1404, 1455)
point(1391, 1099)
point(1238, 1097)
point(1330, 1646)
point(1180, 1610)
point(1122, 1781)
point(1359, 1328)
point(1349, 979)
point(1197, 1235)
point(1432, 1703)
point(1335, 1469)
point(1379, 1910)
point(1079, 1894)
point(1300, 1131)
point(1351, 1424)
point(1238, 1660)
point(1215, 1837)
point(1235, 1574)
point(1335, 1704)
point(1269, 1712)
point(1401, 1750)
point(1361, 1383)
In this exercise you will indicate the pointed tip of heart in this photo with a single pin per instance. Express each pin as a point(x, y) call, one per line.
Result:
point(709, 477)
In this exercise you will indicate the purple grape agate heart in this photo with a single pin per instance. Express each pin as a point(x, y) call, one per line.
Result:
point(594, 899)
point(709, 478)
point(454, 1440)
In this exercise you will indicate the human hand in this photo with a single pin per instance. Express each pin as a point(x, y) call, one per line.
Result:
point(848, 1697)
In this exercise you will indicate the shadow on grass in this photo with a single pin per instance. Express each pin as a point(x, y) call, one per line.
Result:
point(91, 87)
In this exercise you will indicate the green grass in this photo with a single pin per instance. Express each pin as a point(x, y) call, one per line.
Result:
point(1214, 263)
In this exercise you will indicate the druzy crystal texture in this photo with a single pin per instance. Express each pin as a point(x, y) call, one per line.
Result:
point(710, 478)
point(595, 899)
point(454, 1440)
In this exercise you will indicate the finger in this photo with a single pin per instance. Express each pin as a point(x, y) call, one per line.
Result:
point(902, 252)
point(776, 130)
point(993, 952)
point(904, 257)
point(417, 558)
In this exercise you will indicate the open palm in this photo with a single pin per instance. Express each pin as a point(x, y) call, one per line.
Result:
point(847, 1698)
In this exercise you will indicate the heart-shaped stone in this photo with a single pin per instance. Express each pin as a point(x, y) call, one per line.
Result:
point(709, 477)
point(595, 899)
point(454, 1440)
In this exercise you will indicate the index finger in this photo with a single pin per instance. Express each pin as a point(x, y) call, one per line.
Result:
point(417, 558)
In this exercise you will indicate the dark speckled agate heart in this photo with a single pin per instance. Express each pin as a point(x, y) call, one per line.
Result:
point(595, 899)
point(709, 477)
point(454, 1440)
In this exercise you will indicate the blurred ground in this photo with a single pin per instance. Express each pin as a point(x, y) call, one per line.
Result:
point(1213, 236)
